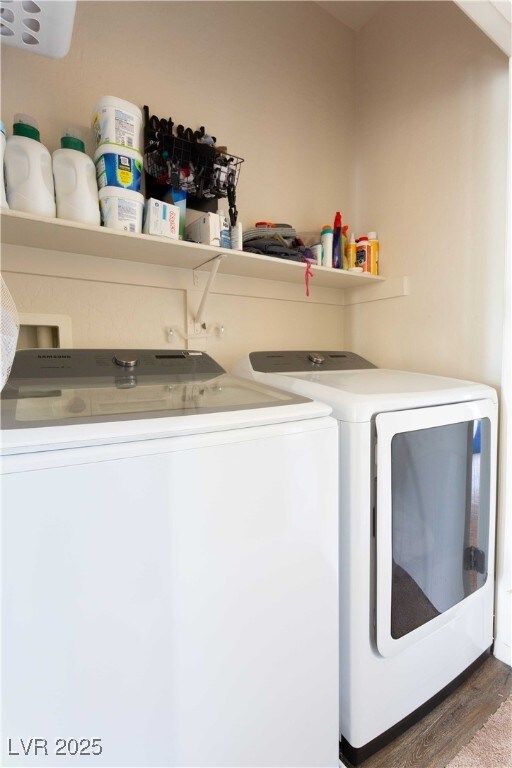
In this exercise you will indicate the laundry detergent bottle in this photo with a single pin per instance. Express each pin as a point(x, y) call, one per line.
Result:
point(28, 170)
point(76, 190)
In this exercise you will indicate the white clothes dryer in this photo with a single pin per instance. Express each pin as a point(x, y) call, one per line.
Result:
point(417, 488)
point(169, 571)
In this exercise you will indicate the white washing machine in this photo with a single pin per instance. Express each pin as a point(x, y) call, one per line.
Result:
point(169, 565)
point(417, 485)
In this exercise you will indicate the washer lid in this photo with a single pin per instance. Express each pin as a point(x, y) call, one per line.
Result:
point(359, 395)
point(66, 388)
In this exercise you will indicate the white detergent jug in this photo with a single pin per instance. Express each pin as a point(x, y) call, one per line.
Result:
point(28, 170)
point(76, 190)
point(3, 199)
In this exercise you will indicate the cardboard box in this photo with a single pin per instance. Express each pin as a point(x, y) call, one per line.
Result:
point(205, 229)
point(178, 198)
point(162, 219)
point(210, 229)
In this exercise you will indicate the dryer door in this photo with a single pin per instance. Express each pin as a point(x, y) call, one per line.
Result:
point(434, 517)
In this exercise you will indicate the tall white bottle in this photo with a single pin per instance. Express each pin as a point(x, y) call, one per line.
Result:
point(28, 170)
point(3, 199)
point(327, 241)
point(76, 190)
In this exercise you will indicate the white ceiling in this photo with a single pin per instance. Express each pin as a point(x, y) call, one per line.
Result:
point(353, 13)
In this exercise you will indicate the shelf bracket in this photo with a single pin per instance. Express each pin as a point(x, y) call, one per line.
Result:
point(198, 320)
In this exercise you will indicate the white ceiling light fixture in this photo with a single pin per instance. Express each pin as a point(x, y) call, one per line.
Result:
point(40, 26)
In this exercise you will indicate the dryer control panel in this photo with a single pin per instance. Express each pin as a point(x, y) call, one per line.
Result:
point(305, 360)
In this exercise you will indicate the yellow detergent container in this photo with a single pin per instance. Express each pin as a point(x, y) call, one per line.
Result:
point(374, 253)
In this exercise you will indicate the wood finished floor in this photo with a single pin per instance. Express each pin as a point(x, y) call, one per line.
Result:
point(440, 735)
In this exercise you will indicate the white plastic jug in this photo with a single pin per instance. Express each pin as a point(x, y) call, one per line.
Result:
point(28, 170)
point(3, 199)
point(76, 191)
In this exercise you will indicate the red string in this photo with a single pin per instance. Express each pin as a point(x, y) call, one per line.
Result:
point(308, 275)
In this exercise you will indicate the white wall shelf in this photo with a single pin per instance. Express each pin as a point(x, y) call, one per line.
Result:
point(59, 235)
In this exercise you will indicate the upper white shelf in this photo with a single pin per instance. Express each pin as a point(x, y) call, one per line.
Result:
point(60, 235)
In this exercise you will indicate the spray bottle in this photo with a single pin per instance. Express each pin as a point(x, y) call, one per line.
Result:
point(337, 242)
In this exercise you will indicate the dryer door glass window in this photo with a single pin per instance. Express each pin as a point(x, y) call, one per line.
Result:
point(440, 491)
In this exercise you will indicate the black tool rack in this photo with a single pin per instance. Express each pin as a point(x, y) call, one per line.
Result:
point(178, 158)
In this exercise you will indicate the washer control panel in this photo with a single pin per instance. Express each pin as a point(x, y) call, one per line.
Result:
point(300, 361)
point(110, 364)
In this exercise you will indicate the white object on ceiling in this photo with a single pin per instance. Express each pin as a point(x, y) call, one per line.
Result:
point(353, 13)
point(40, 26)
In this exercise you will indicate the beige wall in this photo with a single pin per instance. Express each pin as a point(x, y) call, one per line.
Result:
point(432, 147)
point(277, 82)
point(272, 81)
point(116, 304)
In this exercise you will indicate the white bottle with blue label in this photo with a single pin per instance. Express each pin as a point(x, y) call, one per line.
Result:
point(28, 170)
point(75, 182)
point(225, 230)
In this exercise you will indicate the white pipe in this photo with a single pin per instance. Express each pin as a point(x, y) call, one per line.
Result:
point(44, 337)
